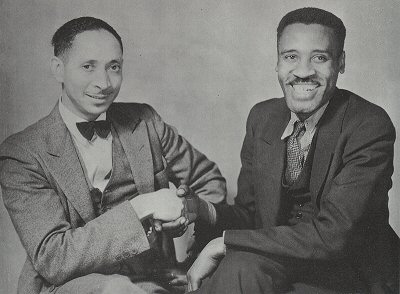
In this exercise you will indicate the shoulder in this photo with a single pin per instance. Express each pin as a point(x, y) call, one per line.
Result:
point(134, 111)
point(267, 110)
point(361, 112)
point(31, 139)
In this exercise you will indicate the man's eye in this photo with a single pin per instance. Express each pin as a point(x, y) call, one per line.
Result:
point(115, 67)
point(291, 57)
point(87, 67)
point(320, 58)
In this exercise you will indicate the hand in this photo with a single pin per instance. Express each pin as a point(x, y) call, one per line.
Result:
point(174, 277)
point(173, 229)
point(163, 205)
point(206, 263)
point(178, 227)
point(191, 203)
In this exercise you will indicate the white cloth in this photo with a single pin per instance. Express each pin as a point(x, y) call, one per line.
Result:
point(96, 154)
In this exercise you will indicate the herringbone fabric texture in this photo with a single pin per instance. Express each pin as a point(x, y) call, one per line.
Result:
point(294, 154)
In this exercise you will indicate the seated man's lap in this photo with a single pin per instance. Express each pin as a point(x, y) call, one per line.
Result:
point(107, 284)
point(239, 269)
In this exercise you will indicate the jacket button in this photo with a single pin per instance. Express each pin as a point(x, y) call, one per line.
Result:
point(126, 254)
point(299, 215)
point(118, 257)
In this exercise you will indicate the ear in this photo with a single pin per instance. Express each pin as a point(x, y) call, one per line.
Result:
point(57, 68)
point(342, 62)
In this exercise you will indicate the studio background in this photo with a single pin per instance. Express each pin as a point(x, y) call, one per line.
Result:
point(201, 64)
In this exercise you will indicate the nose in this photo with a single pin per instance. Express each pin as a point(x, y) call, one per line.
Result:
point(102, 79)
point(304, 69)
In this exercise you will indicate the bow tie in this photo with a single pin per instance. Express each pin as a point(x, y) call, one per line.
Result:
point(87, 129)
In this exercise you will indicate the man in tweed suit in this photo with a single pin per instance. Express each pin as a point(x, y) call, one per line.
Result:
point(87, 186)
point(311, 214)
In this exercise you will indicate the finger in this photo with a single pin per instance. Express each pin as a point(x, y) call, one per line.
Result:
point(157, 225)
point(191, 216)
point(182, 190)
point(180, 233)
point(193, 285)
point(189, 286)
point(187, 222)
point(178, 280)
point(176, 233)
point(177, 224)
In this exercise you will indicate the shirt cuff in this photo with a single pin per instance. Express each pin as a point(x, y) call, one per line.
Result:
point(207, 212)
point(223, 238)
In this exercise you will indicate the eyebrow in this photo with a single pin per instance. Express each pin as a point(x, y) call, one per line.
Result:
point(93, 61)
point(314, 51)
point(119, 60)
point(323, 51)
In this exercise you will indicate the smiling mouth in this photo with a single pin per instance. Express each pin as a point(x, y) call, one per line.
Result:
point(98, 97)
point(304, 87)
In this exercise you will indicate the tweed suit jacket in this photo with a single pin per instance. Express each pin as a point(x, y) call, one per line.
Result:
point(46, 194)
point(350, 179)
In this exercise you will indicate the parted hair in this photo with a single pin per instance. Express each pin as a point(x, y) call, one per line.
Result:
point(64, 37)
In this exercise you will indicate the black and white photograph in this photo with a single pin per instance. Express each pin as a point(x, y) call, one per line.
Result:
point(198, 146)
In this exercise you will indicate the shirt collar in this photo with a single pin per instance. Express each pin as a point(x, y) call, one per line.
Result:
point(70, 119)
point(310, 123)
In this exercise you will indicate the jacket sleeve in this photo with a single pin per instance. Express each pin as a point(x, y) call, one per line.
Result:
point(186, 165)
point(58, 251)
point(355, 196)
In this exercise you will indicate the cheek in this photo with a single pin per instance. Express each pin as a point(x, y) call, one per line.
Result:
point(116, 81)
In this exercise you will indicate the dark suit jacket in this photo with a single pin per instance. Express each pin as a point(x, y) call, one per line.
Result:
point(350, 179)
point(46, 194)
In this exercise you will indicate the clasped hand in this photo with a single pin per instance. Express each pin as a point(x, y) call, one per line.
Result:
point(173, 217)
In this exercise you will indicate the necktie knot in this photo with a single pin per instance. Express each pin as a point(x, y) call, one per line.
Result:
point(101, 127)
point(294, 154)
point(299, 127)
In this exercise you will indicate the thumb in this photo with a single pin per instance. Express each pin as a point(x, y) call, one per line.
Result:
point(183, 191)
point(193, 285)
point(157, 225)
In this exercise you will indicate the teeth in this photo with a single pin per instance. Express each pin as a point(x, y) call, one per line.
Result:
point(96, 97)
point(304, 88)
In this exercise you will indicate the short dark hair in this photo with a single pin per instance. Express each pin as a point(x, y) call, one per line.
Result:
point(64, 37)
point(312, 15)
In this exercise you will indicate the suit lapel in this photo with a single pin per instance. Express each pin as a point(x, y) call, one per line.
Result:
point(328, 133)
point(63, 163)
point(132, 132)
point(272, 159)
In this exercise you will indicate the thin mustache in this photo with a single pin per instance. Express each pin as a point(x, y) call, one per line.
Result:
point(302, 81)
point(105, 92)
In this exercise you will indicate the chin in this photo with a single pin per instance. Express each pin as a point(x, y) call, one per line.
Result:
point(301, 107)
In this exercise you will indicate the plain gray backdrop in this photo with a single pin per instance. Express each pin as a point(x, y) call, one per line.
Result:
point(201, 64)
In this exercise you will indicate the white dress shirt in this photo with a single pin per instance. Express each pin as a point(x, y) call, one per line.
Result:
point(311, 126)
point(95, 154)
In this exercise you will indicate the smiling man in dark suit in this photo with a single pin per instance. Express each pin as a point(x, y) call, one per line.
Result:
point(311, 212)
point(87, 187)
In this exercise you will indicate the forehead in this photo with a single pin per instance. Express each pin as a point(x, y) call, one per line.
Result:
point(307, 37)
point(95, 45)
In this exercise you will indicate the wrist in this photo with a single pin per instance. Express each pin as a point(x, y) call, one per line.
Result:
point(207, 212)
point(220, 247)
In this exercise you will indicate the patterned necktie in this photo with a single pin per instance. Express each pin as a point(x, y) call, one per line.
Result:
point(87, 129)
point(294, 154)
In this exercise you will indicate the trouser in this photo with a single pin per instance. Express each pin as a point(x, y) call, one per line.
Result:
point(248, 273)
point(111, 284)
